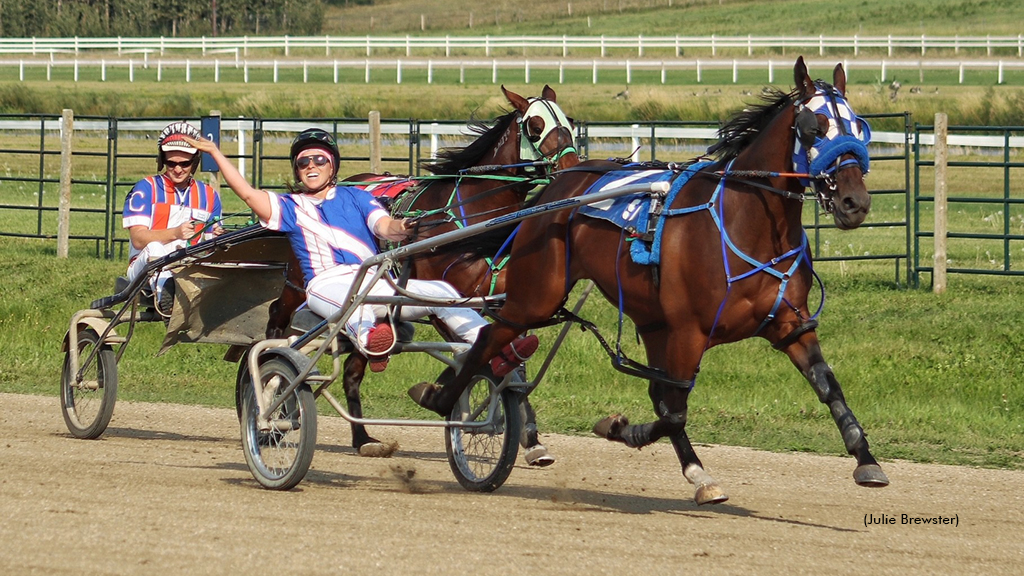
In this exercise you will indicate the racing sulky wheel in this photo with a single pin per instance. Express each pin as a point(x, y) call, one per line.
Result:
point(278, 457)
point(88, 404)
point(482, 458)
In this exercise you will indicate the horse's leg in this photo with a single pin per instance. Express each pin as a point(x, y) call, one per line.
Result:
point(670, 404)
point(442, 398)
point(366, 445)
point(680, 355)
point(806, 355)
point(536, 453)
point(292, 296)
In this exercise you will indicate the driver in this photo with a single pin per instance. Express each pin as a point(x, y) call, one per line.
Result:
point(332, 230)
point(170, 210)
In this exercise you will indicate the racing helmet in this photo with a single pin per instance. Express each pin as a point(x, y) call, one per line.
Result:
point(171, 140)
point(314, 138)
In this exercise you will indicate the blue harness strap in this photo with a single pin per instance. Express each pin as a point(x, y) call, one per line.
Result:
point(632, 213)
point(641, 253)
point(798, 255)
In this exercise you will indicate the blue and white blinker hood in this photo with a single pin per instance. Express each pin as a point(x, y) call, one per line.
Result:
point(847, 134)
point(553, 117)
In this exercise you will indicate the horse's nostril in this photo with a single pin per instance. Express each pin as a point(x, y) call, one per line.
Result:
point(851, 204)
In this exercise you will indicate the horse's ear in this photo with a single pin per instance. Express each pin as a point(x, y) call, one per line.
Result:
point(804, 84)
point(839, 79)
point(520, 103)
point(548, 93)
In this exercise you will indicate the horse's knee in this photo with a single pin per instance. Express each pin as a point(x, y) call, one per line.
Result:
point(824, 383)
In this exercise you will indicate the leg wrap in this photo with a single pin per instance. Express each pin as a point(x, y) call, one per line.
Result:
point(851, 430)
point(830, 394)
point(528, 438)
point(637, 435)
point(821, 378)
point(676, 419)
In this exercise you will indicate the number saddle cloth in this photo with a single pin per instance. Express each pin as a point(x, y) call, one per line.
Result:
point(639, 215)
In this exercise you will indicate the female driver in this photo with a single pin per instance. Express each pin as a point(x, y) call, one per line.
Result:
point(332, 230)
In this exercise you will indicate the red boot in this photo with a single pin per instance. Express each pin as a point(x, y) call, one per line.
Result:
point(378, 341)
point(513, 355)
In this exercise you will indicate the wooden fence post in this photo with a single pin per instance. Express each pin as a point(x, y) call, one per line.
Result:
point(941, 158)
point(375, 152)
point(67, 124)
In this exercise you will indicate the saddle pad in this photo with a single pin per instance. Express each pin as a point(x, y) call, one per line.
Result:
point(385, 187)
point(628, 212)
point(632, 213)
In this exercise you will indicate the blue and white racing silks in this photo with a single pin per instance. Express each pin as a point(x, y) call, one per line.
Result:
point(329, 232)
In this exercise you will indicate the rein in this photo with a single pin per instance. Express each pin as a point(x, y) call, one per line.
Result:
point(449, 209)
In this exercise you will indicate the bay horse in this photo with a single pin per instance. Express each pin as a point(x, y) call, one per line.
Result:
point(734, 264)
point(490, 177)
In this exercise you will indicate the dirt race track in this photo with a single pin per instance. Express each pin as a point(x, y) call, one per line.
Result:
point(166, 491)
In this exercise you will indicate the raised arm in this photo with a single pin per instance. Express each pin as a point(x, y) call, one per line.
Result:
point(257, 200)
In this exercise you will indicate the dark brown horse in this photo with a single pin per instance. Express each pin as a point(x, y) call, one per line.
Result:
point(734, 265)
point(491, 176)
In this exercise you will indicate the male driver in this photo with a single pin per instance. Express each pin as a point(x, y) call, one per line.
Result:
point(170, 210)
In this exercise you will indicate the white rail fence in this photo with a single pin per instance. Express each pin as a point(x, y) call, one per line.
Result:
point(500, 69)
point(240, 46)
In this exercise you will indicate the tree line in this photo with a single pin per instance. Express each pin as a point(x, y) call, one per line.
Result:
point(174, 18)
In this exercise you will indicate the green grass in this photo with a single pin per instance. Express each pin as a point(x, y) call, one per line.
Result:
point(979, 102)
point(932, 378)
point(683, 17)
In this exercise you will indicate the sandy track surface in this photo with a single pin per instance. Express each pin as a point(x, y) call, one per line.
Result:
point(165, 491)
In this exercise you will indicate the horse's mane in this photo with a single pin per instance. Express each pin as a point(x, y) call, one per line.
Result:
point(740, 130)
point(452, 160)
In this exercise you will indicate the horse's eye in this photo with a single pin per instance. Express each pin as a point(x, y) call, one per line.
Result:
point(534, 129)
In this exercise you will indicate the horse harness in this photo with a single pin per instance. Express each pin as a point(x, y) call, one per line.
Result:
point(819, 151)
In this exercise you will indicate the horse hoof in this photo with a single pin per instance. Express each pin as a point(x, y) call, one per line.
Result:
point(538, 456)
point(709, 494)
point(425, 394)
point(870, 476)
point(611, 427)
point(378, 449)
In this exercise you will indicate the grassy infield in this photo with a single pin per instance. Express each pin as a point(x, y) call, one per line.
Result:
point(933, 378)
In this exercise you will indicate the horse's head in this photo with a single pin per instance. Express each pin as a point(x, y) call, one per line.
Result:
point(831, 146)
point(545, 132)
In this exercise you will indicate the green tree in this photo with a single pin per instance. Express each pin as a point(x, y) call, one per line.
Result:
point(92, 18)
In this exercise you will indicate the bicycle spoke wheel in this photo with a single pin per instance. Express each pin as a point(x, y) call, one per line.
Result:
point(88, 404)
point(280, 455)
point(482, 458)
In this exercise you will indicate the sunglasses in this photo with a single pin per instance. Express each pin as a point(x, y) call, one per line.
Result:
point(319, 161)
point(172, 165)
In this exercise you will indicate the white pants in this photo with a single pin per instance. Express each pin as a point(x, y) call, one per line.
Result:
point(326, 293)
point(151, 252)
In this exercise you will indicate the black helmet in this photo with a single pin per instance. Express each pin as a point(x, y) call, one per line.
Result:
point(171, 140)
point(314, 138)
